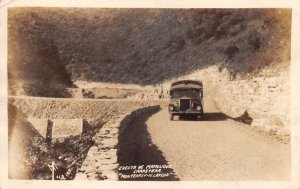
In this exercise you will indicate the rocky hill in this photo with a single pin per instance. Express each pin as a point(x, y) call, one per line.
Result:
point(50, 48)
point(242, 56)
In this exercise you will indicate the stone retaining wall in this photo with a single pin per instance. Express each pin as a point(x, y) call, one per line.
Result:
point(101, 161)
point(264, 98)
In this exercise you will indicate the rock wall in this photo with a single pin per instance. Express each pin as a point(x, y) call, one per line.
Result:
point(101, 162)
point(260, 101)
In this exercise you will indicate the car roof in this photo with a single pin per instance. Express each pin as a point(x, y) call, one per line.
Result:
point(187, 84)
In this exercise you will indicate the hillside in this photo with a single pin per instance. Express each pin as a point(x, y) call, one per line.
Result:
point(124, 60)
point(49, 49)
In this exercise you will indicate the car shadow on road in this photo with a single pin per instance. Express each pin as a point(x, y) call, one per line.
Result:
point(219, 116)
point(215, 116)
point(210, 116)
point(137, 149)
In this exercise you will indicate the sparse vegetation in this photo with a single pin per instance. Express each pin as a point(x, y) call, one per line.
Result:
point(50, 49)
point(139, 46)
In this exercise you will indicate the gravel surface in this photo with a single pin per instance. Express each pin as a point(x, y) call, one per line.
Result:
point(218, 148)
point(63, 108)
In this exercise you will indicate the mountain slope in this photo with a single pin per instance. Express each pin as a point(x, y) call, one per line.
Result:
point(143, 46)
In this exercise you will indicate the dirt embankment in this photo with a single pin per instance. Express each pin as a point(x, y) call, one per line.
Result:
point(139, 46)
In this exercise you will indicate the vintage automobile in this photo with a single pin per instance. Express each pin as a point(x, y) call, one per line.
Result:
point(186, 99)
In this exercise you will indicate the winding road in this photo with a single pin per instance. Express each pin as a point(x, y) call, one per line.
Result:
point(216, 148)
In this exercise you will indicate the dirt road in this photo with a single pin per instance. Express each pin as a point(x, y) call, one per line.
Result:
point(217, 148)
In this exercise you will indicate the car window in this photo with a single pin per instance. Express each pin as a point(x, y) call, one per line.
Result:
point(192, 93)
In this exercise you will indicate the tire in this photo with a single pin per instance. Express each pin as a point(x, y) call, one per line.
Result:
point(196, 117)
point(202, 116)
point(171, 117)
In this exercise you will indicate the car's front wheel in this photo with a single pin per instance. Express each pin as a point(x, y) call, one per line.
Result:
point(196, 117)
point(171, 117)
